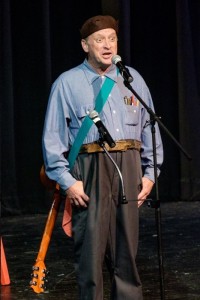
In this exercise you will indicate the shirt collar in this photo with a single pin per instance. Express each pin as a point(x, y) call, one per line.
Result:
point(92, 75)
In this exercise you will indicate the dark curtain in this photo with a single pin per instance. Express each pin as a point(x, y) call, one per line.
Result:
point(188, 53)
point(40, 39)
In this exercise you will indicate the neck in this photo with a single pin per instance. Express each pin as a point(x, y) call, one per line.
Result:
point(101, 69)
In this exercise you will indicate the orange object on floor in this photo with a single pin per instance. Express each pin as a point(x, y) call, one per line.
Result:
point(5, 278)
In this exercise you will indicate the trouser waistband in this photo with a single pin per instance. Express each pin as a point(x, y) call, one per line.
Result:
point(121, 145)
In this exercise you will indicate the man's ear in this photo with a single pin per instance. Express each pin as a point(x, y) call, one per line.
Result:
point(84, 45)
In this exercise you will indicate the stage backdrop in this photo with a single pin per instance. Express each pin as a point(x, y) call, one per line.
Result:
point(40, 40)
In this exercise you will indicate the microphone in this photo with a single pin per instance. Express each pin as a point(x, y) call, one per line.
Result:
point(116, 59)
point(94, 116)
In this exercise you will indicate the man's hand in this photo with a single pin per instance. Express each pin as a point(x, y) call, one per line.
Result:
point(147, 186)
point(76, 194)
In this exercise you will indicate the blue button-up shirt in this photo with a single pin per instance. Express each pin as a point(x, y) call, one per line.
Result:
point(73, 95)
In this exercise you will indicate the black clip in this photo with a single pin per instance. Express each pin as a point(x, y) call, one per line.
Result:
point(153, 203)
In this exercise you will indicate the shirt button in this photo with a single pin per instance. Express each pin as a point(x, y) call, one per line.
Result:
point(134, 111)
point(114, 111)
point(102, 76)
point(117, 130)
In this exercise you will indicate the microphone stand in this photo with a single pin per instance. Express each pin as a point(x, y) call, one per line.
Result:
point(102, 145)
point(156, 203)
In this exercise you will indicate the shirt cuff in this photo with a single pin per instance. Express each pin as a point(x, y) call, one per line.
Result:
point(149, 173)
point(66, 180)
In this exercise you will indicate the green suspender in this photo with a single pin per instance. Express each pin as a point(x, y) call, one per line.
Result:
point(87, 123)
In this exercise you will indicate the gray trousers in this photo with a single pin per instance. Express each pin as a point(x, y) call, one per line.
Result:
point(107, 229)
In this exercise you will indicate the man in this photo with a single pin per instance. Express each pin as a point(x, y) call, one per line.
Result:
point(102, 227)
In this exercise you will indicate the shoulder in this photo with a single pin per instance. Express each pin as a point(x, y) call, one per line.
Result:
point(71, 74)
point(139, 83)
point(136, 76)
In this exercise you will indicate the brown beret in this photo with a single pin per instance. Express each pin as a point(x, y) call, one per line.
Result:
point(97, 23)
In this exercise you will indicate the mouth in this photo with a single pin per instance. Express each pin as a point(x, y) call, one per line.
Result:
point(107, 55)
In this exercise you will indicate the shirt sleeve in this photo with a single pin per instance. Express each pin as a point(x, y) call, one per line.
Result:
point(147, 159)
point(55, 140)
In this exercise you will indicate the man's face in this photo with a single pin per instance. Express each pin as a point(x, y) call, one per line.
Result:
point(100, 47)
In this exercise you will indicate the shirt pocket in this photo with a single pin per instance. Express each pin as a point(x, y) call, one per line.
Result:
point(131, 115)
point(83, 111)
point(78, 117)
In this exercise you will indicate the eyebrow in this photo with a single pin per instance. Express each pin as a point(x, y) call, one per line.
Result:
point(102, 36)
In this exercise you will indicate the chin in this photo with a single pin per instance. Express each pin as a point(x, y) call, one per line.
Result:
point(106, 63)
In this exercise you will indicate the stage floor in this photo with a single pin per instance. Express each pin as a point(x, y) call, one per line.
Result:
point(180, 250)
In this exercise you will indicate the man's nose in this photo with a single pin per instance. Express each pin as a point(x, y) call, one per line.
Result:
point(106, 43)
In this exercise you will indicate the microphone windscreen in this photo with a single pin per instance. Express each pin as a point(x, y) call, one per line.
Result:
point(116, 59)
